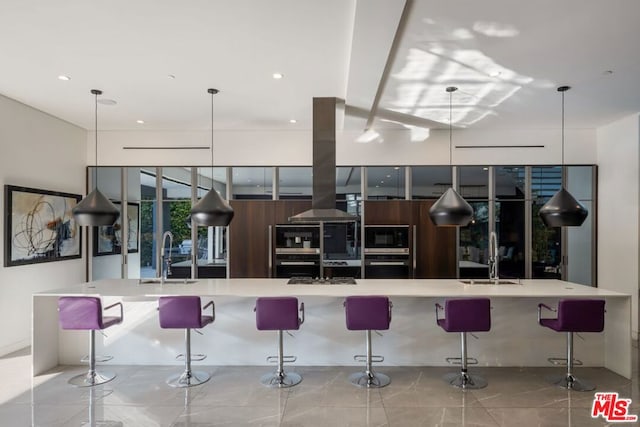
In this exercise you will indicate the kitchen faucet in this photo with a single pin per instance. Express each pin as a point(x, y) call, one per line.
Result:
point(165, 267)
point(493, 256)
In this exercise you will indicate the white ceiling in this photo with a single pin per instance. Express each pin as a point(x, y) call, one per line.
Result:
point(324, 48)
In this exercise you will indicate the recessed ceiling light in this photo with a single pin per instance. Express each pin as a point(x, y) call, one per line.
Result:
point(278, 76)
point(485, 169)
point(64, 78)
point(105, 101)
point(140, 122)
point(397, 167)
point(293, 121)
point(171, 76)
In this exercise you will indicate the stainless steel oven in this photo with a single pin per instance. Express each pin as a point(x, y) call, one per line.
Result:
point(297, 251)
point(386, 252)
point(386, 239)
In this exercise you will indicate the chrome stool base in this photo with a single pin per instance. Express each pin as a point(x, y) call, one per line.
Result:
point(369, 379)
point(90, 379)
point(188, 379)
point(283, 380)
point(465, 381)
point(570, 382)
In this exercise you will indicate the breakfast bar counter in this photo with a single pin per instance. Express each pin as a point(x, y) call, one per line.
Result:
point(413, 339)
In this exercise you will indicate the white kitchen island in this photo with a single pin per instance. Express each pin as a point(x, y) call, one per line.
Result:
point(413, 339)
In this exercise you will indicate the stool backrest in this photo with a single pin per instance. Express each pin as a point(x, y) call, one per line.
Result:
point(467, 315)
point(180, 312)
point(277, 314)
point(581, 315)
point(80, 313)
point(367, 313)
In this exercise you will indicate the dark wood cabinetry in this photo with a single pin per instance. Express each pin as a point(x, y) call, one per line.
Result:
point(249, 233)
point(435, 246)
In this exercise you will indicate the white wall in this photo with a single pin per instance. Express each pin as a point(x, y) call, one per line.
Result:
point(39, 151)
point(293, 148)
point(618, 187)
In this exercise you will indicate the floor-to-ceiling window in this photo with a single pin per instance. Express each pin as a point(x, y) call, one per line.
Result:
point(473, 184)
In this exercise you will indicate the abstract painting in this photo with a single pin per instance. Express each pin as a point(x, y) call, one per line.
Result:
point(39, 226)
point(107, 240)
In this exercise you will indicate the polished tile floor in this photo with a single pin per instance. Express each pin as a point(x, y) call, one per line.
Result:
point(138, 397)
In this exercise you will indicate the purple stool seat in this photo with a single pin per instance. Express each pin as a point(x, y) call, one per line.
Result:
point(573, 315)
point(461, 316)
point(85, 313)
point(367, 313)
point(184, 312)
point(279, 314)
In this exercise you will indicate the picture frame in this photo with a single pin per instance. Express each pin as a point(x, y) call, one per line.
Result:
point(107, 240)
point(39, 226)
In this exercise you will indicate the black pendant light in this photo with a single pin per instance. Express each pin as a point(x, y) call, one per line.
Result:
point(96, 209)
point(451, 209)
point(563, 210)
point(212, 210)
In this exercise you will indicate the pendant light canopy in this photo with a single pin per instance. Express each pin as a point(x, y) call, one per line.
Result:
point(563, 210)
point(95, 209)
point(212, 209)
point(451, 209)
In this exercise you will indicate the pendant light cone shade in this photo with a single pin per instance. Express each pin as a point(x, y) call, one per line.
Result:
point(563, 210)
point(451, 210)
point(212, 210)
point(95, 209)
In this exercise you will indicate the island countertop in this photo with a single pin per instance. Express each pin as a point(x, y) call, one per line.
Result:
point(414, 339)
point(391, 287)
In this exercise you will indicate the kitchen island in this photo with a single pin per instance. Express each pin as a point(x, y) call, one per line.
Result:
point(413, 339)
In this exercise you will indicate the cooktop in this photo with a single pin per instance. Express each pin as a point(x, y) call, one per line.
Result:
point(321, 281)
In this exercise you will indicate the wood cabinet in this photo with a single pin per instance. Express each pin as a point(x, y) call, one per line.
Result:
point(249, 233)
point(435, 246)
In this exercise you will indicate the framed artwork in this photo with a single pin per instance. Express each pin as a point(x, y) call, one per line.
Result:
point(107, 240)
point(39, 226)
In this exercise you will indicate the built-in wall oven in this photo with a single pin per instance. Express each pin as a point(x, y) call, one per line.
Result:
point(297, 251)
point(386, 252)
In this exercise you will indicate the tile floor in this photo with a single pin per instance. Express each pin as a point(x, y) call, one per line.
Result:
point(417, 396)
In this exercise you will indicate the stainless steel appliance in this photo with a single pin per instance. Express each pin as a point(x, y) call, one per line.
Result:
point(386, 252)
point(318, 281)
point(297, 251)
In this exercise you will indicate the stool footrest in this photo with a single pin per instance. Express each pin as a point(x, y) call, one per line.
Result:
point(194, 357)
point(363, 358)
point(99, 359)
point(562, 361)
point(458, 360)
point(285, 359)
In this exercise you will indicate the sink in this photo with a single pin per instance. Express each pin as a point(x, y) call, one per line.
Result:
point(489, 282)
point(156, 281)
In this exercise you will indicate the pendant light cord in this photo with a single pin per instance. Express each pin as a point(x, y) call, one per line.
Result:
point(562, 128)
point(450, 128)
point(212, 93)
point(96, 133)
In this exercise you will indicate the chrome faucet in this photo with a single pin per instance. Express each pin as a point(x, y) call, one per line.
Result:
point(165, 268)
point(494, 256)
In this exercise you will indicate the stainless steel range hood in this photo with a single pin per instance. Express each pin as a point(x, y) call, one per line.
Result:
point(323, 205)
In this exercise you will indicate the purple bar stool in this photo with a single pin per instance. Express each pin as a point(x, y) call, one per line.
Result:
point(85, 313)
point(279, 314)
point(183, 312)
point(465, 315)
point(574, 315)
point(367, 313)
